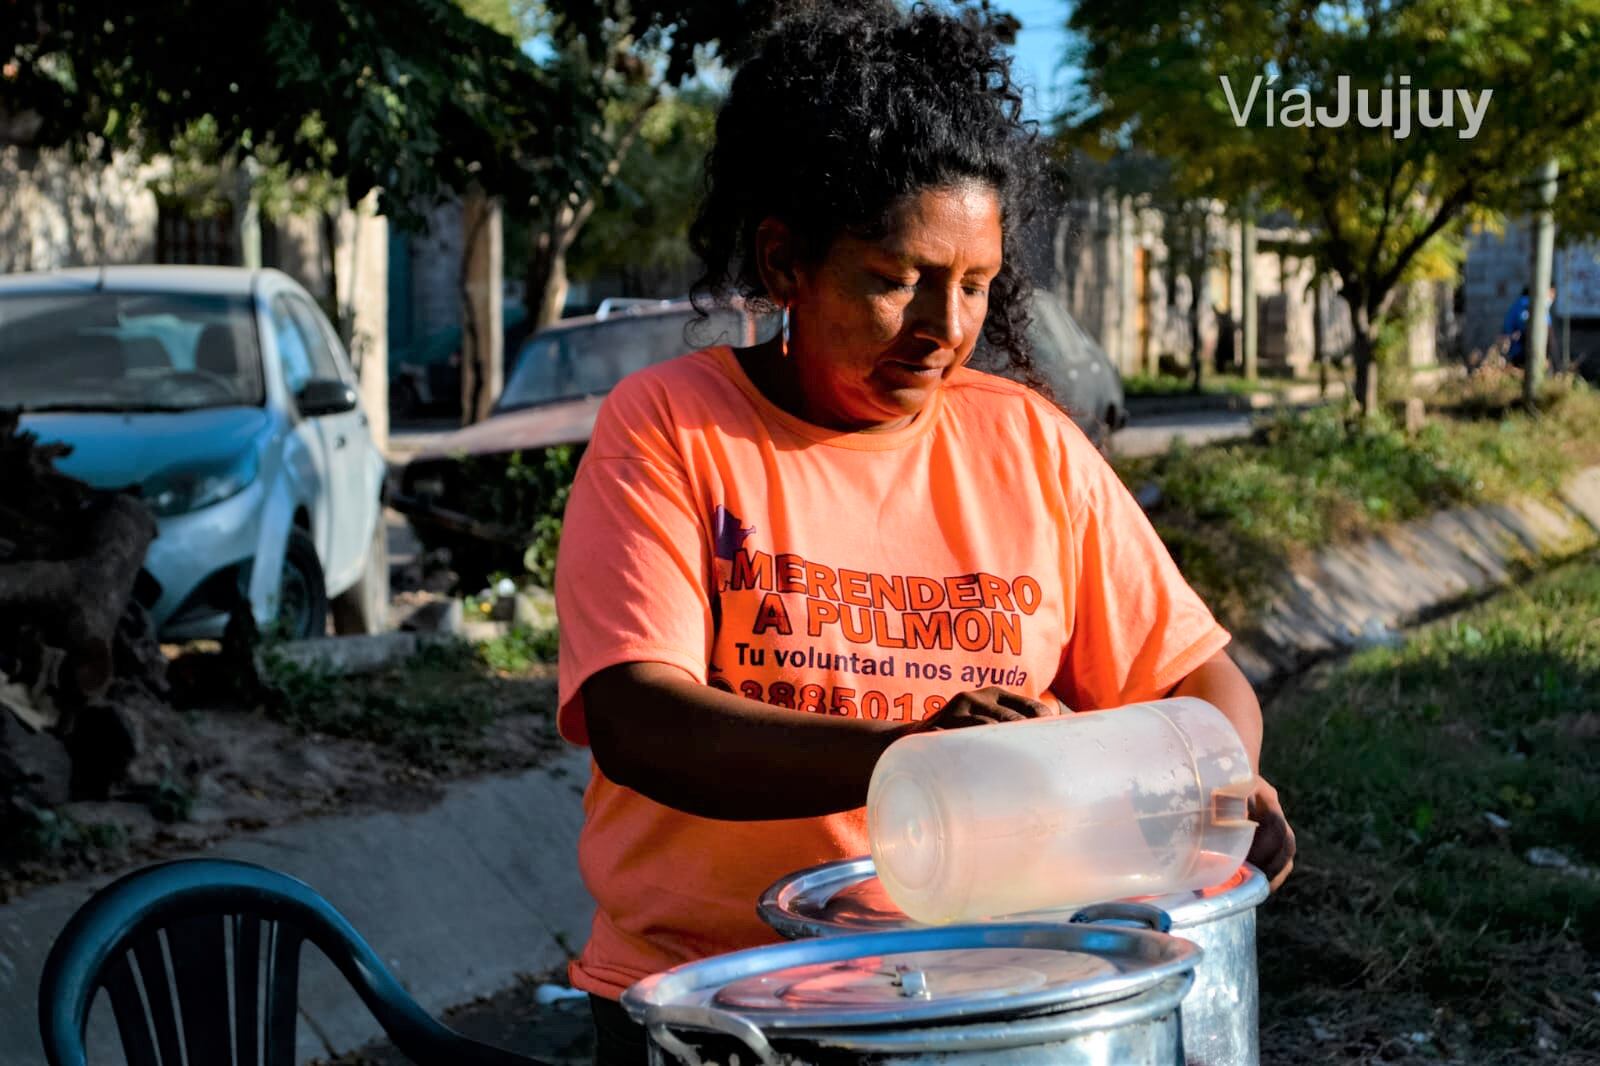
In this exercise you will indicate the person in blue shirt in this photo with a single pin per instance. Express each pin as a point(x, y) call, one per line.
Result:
point(1515, 325)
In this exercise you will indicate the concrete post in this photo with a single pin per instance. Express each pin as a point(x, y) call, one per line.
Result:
point(1247, 300)
point(362, 272)
point(1539, 311)
point(1126, 355)
point(247, 215)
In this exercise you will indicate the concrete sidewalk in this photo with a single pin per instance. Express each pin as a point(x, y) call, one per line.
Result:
point(459, 899)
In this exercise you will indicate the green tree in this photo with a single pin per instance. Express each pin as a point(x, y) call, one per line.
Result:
point(415, 98)
point(637, 52)
point(628, 91)
point(627, 58)
point(1157, 75)
point(642, 220)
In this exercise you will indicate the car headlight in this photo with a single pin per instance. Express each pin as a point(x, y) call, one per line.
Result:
point(181, 489)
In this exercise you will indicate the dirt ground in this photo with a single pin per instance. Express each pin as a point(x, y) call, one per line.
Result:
point(246, 769)
point(557, 1034)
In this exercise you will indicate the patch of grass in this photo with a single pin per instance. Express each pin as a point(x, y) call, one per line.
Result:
point(431, 709)
point(37, 833)
point(1211, 384)
point(1235, 514)
point(520, 649)
point(1418, 779)
point(170, 799)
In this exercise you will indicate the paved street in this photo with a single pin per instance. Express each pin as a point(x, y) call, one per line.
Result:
point(1152, 434)
point(1146, 435)
point(406, 439)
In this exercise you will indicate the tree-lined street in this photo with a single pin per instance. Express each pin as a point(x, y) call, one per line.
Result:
point(1337, 263)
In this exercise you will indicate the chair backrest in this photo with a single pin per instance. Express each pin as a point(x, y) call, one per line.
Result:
point(204, 955)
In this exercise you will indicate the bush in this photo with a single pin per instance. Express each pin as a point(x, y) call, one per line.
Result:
point(523, 491)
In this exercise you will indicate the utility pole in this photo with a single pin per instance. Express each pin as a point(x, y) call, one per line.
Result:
point(1539, 311)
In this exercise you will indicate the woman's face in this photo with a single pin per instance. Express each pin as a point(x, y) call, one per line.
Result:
point(878, 326)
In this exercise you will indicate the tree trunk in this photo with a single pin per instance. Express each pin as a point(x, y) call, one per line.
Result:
point(1319, 341)
point(1364, 346)
point(482, 324)
point(330, 248)
point(545, 288)
point(76, 603)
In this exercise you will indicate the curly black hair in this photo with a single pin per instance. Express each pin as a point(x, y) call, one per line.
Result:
point(844, 111)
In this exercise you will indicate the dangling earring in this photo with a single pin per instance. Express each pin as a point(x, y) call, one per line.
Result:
point(783, 349)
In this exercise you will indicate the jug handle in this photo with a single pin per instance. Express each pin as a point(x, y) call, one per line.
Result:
point(659, 1016)
point(1126, 912)
point(1230, 805)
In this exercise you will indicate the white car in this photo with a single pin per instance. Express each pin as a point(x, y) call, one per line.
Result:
point(227, 398)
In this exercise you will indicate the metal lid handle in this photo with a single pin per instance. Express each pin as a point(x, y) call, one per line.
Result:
point(1126, 913)
point(659, 1016)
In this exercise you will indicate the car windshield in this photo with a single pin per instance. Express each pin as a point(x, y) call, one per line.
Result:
point(589, 360)
point(125, 351)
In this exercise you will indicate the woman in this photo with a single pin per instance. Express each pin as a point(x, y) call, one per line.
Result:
point(777, 560)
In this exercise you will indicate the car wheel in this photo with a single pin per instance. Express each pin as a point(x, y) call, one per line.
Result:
point(364, 606)
point(302, 597)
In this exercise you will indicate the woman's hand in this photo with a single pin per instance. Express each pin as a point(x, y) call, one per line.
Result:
point(1272, 851)
point(984, 706)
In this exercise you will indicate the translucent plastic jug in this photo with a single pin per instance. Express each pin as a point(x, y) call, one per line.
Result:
point(1057, 812)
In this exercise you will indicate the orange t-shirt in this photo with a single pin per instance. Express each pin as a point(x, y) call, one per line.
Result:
point(870, 574)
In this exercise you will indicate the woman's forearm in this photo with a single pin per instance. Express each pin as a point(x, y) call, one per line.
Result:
point(711, 753)
point(1221, 683)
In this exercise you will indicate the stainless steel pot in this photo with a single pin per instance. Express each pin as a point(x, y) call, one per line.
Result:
point(1219, 1015)
point(995, 994)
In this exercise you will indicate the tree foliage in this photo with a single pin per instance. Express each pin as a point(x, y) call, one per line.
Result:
point(643, 218)
point(412, 97)
point(1376, 203)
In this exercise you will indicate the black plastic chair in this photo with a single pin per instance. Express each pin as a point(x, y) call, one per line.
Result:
point(226, 937)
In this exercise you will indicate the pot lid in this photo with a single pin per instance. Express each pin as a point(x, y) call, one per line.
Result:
point(969, 975)
point(917, 975)
point(846, 896)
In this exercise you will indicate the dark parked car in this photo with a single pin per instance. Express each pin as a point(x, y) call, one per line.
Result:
point(481, 490)
point(1081, 378)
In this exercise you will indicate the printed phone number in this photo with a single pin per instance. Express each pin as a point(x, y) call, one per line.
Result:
point(844, 702)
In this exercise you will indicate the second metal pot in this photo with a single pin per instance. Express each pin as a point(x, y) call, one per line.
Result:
point(1219, 1015)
